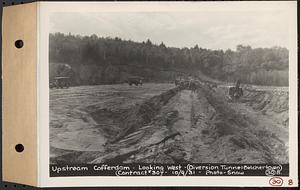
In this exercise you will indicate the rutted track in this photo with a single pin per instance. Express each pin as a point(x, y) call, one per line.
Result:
point(184, 126)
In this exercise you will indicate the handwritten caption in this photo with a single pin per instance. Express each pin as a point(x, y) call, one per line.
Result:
point(169, 170)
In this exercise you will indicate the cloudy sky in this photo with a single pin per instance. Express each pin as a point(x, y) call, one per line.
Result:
point(208, 29)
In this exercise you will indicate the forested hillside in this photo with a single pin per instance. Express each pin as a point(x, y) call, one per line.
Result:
point(97, 60)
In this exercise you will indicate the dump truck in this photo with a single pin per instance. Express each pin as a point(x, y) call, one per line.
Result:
point(135, 80)
point(60, 82)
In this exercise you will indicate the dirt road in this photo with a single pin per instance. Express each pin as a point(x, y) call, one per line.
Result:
point(158, 123)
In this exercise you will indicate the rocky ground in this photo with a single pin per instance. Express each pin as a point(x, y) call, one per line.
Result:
point(159, 123)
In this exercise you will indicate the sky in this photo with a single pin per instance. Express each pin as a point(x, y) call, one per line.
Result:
point(209, 29)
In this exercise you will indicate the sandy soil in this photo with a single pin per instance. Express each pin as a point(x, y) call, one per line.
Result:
point(72, 126)
point(159, 123)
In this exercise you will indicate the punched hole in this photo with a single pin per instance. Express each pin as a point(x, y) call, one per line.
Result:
point(19, 148)
point(19, 43)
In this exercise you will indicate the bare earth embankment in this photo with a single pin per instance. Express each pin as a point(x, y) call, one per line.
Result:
point(159, 123)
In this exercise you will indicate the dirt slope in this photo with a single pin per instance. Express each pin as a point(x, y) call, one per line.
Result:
point(174, 125)
point(83, 118)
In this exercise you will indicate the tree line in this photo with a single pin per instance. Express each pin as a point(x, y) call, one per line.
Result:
point(98, 60)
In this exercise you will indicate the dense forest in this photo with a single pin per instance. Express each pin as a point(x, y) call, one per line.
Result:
point(98, 60)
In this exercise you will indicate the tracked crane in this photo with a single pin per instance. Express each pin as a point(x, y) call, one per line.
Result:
point(235, 92)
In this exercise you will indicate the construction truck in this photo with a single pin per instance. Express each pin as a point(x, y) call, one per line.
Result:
point(60, 82)
point(135, 80)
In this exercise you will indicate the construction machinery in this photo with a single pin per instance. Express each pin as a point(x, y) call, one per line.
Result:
point(235, 92)
point(135, 80)
point(60, 82)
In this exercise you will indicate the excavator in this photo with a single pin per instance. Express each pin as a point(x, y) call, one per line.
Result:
point(235, 92)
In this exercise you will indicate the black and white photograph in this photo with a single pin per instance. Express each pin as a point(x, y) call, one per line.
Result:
point(169, 87)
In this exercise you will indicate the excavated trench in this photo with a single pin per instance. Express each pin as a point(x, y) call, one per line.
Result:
point(116, 125)
point(181, 126)
point(205, 128)
point(256, 126)
point(235, 137)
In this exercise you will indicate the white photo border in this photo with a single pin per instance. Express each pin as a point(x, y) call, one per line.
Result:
point(48, 8)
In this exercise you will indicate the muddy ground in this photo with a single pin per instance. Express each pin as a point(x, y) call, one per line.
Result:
point(159, 123)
